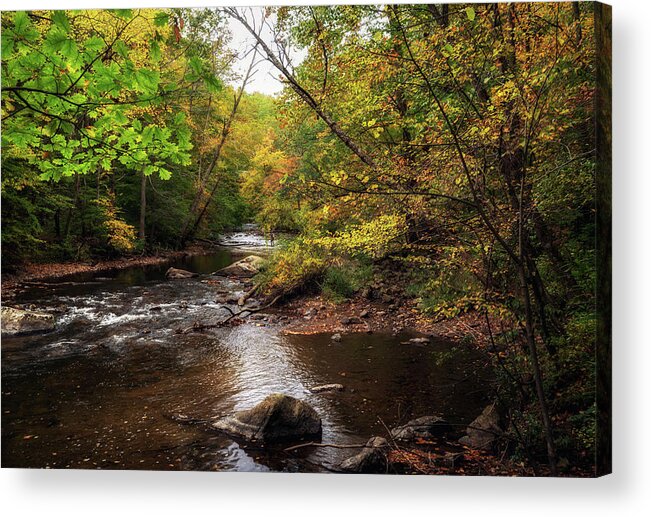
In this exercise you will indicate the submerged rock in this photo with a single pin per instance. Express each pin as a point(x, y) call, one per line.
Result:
point(426, 427)
point(371, 460)
point(245, 268)
point(18, 321)
point(175, 274)
point(419, 340)
point(336, 337)
point(483, 430)
point(327, 387)
point(278, 418)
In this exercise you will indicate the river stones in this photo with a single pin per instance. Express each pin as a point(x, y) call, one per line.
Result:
point(371, 460)
point(483, 430)
point(245, 268)
point(426, 428)
point(176, 274)
point(18, 321)
point(278, 418)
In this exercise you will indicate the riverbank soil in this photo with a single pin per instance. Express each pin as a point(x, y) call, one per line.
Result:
point(314, 314)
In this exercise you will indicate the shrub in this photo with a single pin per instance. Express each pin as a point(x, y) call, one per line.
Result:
point(291, 269)
point(343, 281)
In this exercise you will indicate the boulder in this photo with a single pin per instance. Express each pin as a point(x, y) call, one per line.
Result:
point(426, 428)
point(18, 321)
point(327, 388)
point(371, 460)
point(175, 274)
point(245, 268)
point(336, 337)
point(278, 418)
point(483, 430)
point(419, 340)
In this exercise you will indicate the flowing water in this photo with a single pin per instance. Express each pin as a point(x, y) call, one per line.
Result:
point(98, 392)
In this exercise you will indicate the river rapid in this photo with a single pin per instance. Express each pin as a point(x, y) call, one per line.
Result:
point(99, 391)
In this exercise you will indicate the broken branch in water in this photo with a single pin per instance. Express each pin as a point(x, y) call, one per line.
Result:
point(241, 314)
point(318, 444)
point(248, 295)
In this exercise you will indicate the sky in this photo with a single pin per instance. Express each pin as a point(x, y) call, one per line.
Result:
point(266, 77)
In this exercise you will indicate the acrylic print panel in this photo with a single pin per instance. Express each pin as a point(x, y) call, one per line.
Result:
point(360, 239)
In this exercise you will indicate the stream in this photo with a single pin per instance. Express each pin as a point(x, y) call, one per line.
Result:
point(98, 392)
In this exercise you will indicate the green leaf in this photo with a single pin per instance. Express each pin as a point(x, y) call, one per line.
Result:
point(23, 28)
point(121, 49)
point(55, 40)
point(119, 118)
point(171, 86)
point(140, 155)
point(147, 135)
point(195, 64)
point(123, 13)
point(164, 174)
point(69, 49)
point(147, 80)
point(213, 84)
point(161, 19)
point(94, 44)
point(154, 51)
point(60, 19)
point(7, 44)
point(179, 118)
point(470, 13)
point(105, 82)
point(21, 23)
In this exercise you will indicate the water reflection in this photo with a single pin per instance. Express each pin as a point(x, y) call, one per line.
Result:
point(98, 392)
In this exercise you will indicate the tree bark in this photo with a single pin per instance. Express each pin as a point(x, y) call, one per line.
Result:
point(143, 206)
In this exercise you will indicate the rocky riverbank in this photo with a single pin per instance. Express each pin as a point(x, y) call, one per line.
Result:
point(314, 314)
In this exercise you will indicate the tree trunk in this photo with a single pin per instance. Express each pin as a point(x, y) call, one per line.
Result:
point(57, 223)
point(143, 206)
point(577, 19)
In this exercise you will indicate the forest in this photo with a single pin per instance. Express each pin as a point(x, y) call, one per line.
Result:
point(447, 151)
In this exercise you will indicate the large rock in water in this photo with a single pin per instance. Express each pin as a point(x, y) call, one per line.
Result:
point(278, 418)
point(371, 460)
point(483, 430)
point(175, 273)
point(425, 427)
point(245, 268)
point(18, 321)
